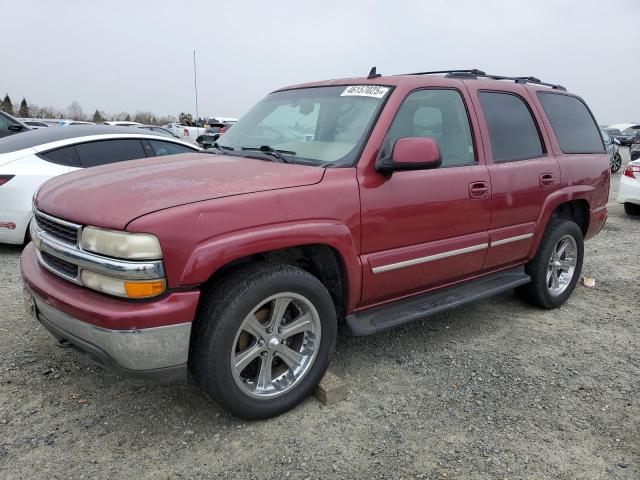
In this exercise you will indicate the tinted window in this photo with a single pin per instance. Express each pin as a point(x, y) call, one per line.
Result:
point(168, 148)
point(109, 151)
point(441, 115)
point(575, 128)
point(63, 156)
point(512, 130)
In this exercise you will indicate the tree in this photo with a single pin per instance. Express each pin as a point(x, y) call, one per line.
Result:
point(185, 118)
point(74, 111)
point(24, 108)
point(6, 105)
point(97, 117)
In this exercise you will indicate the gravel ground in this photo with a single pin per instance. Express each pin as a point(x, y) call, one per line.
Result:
point(497, 389)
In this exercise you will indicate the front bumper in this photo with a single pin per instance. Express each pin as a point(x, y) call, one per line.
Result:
point(149, 339)
point(158, 353)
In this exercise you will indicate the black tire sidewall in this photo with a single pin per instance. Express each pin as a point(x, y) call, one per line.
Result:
point(538, 269)
point(217, 350)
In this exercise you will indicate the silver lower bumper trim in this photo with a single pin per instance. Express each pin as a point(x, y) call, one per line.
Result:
point(128, 351)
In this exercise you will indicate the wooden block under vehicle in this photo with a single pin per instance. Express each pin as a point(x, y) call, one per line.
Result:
point(331, 389)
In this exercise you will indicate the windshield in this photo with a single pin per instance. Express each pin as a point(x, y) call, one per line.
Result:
point(630, 132)
point(325, 125)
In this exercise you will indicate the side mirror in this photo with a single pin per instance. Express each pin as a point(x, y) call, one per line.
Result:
point(15, 128)
point(616, 141)
point(412, 153)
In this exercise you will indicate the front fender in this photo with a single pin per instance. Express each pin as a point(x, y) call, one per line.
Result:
point(209, 256)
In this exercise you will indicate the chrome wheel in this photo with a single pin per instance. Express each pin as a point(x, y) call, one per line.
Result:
point(617, 163)
point(276, 345)
point(562, 265)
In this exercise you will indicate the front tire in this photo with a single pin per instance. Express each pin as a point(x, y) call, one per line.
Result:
point(556, 268)
point(263, 339)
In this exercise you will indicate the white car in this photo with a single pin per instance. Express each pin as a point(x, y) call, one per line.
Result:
point(31, 158)
point(121, 123)
point(629, 192)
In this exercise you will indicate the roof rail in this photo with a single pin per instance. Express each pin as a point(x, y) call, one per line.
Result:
point(475, 73)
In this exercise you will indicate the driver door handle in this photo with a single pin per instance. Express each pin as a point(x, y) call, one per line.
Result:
point(478, 189)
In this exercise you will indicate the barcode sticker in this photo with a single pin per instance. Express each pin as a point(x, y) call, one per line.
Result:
point(374, 91)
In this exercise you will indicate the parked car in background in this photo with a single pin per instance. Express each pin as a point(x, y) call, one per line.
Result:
point(185, 131)
point(35, 124)
point(612, 145)
point(616, 129)
point(629, 191)
point(634, 148)
point(121, 123)
point(10, 125)
point(211, 134)
point(628, 135)
point(371, 201)
point(156, 129)
point(30, 159)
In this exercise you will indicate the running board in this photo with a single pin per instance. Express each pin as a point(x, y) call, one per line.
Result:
point(401, 312)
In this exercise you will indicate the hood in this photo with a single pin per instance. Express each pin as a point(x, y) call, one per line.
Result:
point(110, 196)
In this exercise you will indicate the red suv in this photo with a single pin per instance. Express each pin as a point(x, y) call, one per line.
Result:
point(375, 201)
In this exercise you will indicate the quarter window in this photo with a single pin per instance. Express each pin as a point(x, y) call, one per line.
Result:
point(572, 122)
point(109, 151)
point(168, 148)
point(512, 130)
point(63, 156)
point(441, 115)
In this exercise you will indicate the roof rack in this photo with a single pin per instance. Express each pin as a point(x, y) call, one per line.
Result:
point(475, 73)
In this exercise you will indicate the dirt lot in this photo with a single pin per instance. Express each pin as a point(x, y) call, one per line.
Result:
point(493, 390)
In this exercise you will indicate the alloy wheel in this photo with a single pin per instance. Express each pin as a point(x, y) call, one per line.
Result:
point(562, 265)
point(275, 345)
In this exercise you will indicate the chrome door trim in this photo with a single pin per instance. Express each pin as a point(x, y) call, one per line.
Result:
point(504, 241)
point(429, 258)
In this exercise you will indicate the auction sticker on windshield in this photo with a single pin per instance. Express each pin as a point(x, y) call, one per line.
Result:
point(374, 91)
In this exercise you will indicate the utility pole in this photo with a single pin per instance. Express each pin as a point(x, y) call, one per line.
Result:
point(195, 85)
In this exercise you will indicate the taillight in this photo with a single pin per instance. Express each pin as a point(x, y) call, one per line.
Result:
point(631, 171)
point(5, 178)
point(185, 132)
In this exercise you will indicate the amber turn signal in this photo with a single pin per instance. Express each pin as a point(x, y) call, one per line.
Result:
point(144, 289)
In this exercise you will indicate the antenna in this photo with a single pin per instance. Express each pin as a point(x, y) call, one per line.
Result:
point(195, 85)
point(373, 74)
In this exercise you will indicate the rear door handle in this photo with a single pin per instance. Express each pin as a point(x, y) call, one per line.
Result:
point(478, 189)
point(547, 180)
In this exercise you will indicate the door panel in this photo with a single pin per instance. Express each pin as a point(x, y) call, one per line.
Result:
point(418, 214)
point(520, 186)
point(425, 228)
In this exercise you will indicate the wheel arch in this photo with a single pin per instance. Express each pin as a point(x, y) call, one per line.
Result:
point(570, 204)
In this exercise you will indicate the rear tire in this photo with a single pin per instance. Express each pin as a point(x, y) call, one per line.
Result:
point(556, 268)
point(631, 209)
point(245, 354)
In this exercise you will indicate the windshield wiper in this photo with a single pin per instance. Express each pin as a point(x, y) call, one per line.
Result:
point(222, 147)
point(269, 150)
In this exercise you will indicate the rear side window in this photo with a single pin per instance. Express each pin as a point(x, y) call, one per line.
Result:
point(63, 156)
point(572, 122)
point(512, 130)
point(109, 151)
point(161, 148)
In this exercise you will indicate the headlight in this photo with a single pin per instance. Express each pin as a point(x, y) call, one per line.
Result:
point(122, 288)
point(129, 246)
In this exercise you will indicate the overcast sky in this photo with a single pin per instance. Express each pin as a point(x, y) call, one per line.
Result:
point(137, 55)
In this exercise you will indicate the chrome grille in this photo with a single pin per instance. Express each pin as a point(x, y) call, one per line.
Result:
point(59, 266)
point(64, 231)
